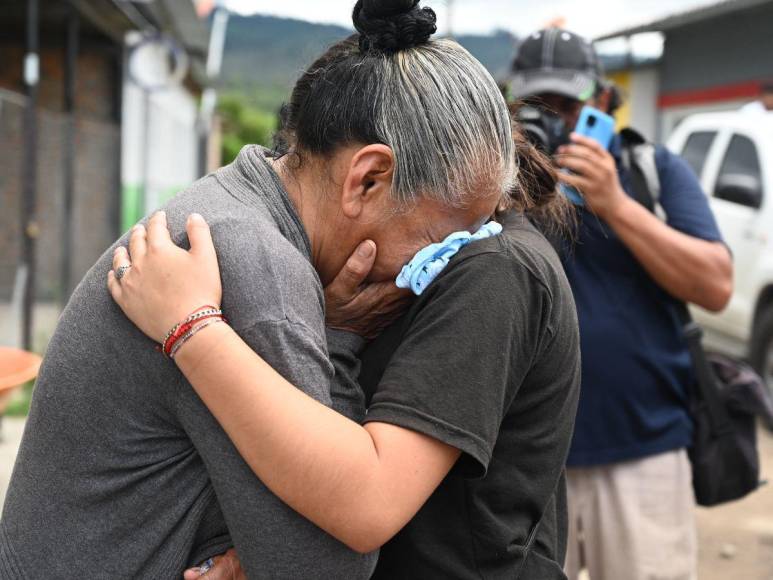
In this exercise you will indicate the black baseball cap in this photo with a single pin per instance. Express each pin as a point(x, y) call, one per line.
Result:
point(555, 61)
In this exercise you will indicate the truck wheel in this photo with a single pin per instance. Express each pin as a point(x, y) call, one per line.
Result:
point(761, 351)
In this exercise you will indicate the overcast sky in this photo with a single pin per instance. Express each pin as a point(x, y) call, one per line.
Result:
point(589, 18)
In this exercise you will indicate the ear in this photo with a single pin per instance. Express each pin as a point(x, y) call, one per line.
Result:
point(602, 100)
point(368, 179)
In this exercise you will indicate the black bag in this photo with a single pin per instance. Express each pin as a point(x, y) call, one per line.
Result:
point(724, 457)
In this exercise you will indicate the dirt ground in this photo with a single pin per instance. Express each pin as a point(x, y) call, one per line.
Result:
point(736, 540)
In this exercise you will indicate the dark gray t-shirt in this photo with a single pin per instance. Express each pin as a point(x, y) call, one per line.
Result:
point(122, 467)
point(487, 361)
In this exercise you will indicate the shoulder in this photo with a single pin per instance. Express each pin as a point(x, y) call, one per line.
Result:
point(520, 254)
point(669, 165)
point(264, 274)
point(265, 277)
point(674, 171)
point(685, 203)
point(515, 276)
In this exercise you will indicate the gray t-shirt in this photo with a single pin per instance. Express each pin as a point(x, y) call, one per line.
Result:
point(122, 467)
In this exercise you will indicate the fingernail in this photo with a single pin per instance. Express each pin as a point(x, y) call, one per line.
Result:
point(365, 250)
point(194, 217)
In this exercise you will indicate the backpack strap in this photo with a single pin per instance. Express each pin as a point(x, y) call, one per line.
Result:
point(706, 383)
point(638, 156)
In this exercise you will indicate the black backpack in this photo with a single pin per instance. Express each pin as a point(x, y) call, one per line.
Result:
point(726, 394)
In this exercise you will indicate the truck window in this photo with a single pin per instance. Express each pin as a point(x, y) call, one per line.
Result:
point(740, 178)
point(696, 149)
point(741, 158)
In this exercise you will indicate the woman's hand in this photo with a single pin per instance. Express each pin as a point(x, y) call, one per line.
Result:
point(163, 283)
point(364, 309)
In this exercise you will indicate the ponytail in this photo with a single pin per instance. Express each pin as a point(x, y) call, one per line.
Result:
point(536, 193)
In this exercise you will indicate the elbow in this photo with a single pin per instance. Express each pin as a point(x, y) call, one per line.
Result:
point(364, 545)
point(370, 530)
point(718, 289)
point(368, 538)
point(721, 297)
point(716, 297)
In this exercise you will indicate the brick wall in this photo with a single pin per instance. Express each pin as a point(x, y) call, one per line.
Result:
point(97, 167)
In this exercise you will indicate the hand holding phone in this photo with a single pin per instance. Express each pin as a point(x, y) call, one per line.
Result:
point(598, 126)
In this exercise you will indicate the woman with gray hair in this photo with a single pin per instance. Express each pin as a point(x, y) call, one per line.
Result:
point(123, 471)
point(475, 390)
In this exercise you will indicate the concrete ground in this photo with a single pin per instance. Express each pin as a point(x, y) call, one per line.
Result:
point(10, 437)
point(736, 540)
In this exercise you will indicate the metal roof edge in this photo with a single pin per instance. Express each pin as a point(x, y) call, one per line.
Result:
point(679, 19)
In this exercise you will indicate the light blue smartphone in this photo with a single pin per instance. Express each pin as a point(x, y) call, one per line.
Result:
point(598, 126)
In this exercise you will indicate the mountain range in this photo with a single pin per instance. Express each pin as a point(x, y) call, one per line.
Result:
point(264, 54)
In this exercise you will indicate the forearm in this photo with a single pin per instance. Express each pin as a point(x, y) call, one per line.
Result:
point(690, 269)
point(328, 468)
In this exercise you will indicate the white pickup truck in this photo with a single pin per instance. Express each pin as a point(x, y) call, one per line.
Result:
point(732, 154)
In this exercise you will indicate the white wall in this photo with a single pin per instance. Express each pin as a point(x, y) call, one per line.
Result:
point(158, 127)
point(644, 98)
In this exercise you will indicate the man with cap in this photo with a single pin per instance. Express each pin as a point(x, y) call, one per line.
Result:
point(629, 477)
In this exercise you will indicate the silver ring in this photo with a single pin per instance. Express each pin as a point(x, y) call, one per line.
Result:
point(206, 566)
point(121, 272)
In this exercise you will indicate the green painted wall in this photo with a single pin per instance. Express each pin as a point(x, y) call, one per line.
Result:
point(133, 203)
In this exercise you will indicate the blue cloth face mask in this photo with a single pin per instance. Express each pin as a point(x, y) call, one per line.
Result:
point(430, 261)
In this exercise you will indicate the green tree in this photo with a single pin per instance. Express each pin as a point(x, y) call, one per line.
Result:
point(243, 125)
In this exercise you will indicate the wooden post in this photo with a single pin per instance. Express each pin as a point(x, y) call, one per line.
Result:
point(70, 70)
point(29, 225)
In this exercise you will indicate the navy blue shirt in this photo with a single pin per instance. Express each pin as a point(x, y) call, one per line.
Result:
point(635, 365)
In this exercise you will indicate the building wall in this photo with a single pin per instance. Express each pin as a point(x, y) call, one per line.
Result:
point(160, 130)
point(97, 157)
point(722, 51)
point(640, 88)
point(97, 78)
point(713, 65)
point(645, 86)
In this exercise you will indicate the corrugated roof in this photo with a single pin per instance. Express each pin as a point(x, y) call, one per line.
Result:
point(691, 16)
point(175, 17)
point(105, 16)
point(113, 19)
point(179, 18)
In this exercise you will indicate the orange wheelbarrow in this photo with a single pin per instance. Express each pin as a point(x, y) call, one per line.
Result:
point(16, 368)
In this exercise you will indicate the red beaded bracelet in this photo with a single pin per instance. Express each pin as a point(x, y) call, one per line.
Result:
point(188, 335)
point(195, 313)
point(184, 328)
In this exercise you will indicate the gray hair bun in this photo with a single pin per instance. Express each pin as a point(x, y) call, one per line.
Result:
point(390, 26)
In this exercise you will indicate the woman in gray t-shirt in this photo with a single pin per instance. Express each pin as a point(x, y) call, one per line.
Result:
point(362, 484)
point(392, 138)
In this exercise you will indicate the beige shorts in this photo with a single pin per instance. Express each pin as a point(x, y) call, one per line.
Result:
point(633, 520)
